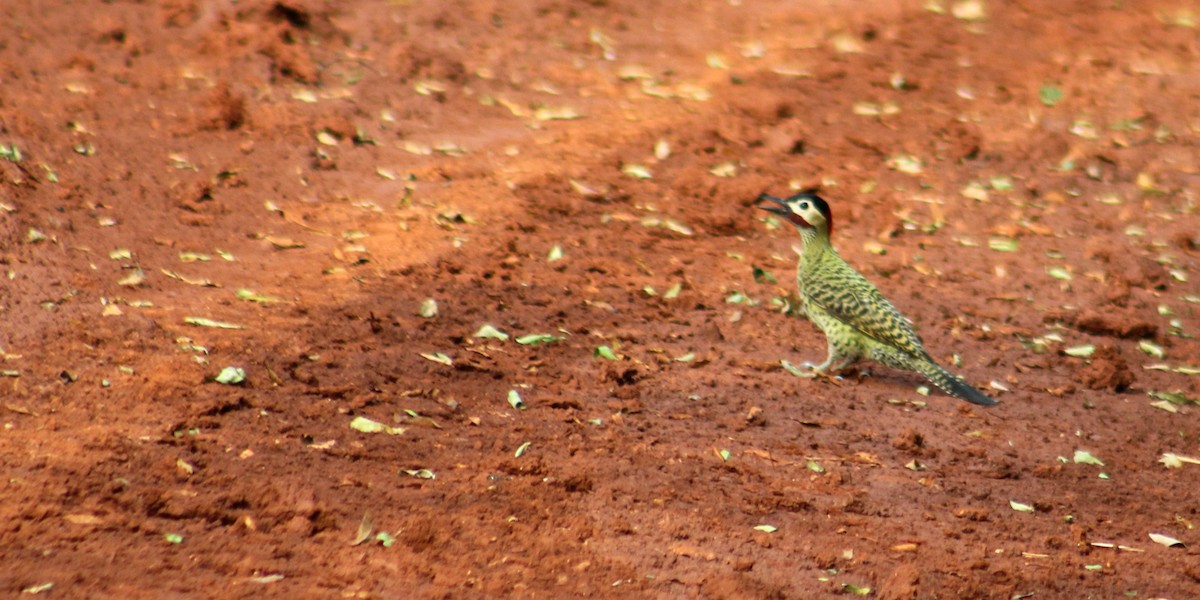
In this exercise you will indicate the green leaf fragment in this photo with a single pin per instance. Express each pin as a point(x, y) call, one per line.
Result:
point(538, 338)
point(429, 309)
point(662, 149)
point(632, 72)
point(190, 257)
point(725, 169)
point(668, 224)
point(1083, 351)
point(1151, 348)
point(252, 296)
point(681, 229)
point(856, 590)
point(905, 163)
point(1164, 405)
point(438, 357)
point(1003, 244)
point(121, 254)
point(604, 352)
point(230, 376)
point(766, 528)
point(556, 253)
point(737, 298)
point(173, 538)
point(522, 449)
point(1165, 540)
point(637, 171)
point(969, 10)
point(974, 191)
point(1176, 397)
point(450, 149)
point(385, 538)
point(10, 153)
point(1086, 458)
point(366, 425)
point(1171, 460)
point(1050, 95)
point(724, 454)
point(135, 278)
point(813, 465)
point(556, 113)
point(515, 401)
point(1019, 507)
point(673, 291)
point(1059, 273)
point(1093, 567)
point(762, 276)
point(205, 322)
point(872, 109)
point(421, 473)
point(39, 588)
point(326, 138)
point(689, 357)
point(489, 332)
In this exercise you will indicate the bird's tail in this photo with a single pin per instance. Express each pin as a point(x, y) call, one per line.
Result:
point(951, 384)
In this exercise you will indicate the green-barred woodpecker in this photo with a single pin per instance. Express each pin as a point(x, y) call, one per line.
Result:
point(859, 323)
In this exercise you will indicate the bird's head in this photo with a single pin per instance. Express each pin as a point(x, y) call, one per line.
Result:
point(804, 210)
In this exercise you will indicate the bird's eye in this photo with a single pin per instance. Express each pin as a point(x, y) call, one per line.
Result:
point(803, 206)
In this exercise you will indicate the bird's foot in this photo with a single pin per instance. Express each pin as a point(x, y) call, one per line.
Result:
point(821, 371)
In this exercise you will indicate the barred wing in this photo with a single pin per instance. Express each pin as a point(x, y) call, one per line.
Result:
point(847, 296)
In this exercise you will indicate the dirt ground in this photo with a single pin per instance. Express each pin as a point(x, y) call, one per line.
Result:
point(338, 198)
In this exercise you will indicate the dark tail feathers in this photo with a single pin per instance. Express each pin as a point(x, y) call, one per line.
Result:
point(951, 384)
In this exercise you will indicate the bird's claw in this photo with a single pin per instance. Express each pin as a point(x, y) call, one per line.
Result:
point(817, 371)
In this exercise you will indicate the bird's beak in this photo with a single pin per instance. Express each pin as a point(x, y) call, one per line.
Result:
point(780, 207)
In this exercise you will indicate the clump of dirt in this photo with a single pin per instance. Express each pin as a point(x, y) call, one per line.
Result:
point(1119, 323)
point(1106, 369)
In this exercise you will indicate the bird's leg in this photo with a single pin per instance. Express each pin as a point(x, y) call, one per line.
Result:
point(844, 363)
point(820, 369)
point(834, 362)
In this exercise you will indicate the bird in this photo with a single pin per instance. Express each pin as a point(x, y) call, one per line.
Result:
point(858, 322)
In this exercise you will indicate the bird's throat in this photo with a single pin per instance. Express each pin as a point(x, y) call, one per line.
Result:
point(816, 243)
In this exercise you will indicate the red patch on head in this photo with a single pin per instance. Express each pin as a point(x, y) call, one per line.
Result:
point(820, 204)
point(797, 220)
